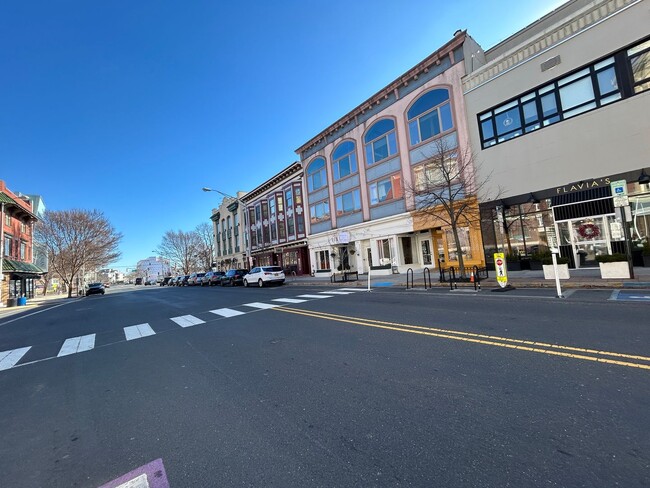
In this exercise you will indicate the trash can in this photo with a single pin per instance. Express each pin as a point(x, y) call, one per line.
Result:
point(22, 301)
point(11, 302)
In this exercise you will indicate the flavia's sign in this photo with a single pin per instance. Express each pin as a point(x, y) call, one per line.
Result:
point(583, 185)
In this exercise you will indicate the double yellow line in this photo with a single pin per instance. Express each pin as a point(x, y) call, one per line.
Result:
point(628, 360)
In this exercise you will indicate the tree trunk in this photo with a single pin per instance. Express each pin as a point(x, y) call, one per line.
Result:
point(459, 252)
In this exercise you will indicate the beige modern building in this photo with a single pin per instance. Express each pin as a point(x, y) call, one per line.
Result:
point(557, 113)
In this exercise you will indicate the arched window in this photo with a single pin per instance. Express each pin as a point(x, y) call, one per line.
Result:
point(316, 176)
point(380, 141)
point(429, 116)
point(345, 160)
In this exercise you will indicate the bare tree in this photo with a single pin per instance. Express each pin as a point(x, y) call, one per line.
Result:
point(77, 240)
point(180, 249)
point(446, 190)
point(205, 245)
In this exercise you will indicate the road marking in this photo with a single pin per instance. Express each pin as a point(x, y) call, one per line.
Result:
point(261, 305)
point(350, 289)
point(509, 343)
point(337, 292)
point(289, 300)
point(39, 311)
point(187, 320)
point(137, 331)
point(629, 295)
point(227, 312)
point(314, 296)
point(8, 359)
point(77, 344)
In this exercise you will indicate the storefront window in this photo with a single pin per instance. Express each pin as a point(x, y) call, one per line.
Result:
point(465, 245)
point(323, 259)
point(384, 249)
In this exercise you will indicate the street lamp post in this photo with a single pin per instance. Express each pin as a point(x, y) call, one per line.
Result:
point(245, 235)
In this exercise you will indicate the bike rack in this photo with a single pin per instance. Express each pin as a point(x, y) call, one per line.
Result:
point(452, 278)
point(477, 279)
point(409, 272)
point(427, 275)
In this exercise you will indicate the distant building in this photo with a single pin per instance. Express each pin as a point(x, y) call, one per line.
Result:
point(153, 268)
point(230, 238)
point(17, 270)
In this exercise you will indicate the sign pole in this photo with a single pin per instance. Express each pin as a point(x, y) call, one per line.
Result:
point(558, 287)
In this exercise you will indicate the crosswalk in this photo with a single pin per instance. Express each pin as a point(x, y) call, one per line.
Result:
point(74, 345)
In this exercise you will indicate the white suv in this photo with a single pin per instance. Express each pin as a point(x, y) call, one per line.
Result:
point(263, 275)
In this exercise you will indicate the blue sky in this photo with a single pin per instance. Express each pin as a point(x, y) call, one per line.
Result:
point(130, 107)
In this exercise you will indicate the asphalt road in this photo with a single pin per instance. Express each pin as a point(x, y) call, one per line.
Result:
point(388, 388)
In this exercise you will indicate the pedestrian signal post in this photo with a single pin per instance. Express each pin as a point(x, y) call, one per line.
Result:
point(501, 268)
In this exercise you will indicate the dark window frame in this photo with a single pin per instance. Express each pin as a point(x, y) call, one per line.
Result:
point(625, 89)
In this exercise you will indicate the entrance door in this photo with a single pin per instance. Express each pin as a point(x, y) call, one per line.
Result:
point(426, 252)
point(589, 238)
point(407, 249)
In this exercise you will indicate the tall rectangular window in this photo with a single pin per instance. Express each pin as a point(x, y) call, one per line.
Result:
point(386, 190)
point(273, 219)
point(639, 59)
point(319, 211)
point(348, 202)
point(8, 241)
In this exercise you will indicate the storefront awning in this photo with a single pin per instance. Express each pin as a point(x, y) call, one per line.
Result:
point(20, 267)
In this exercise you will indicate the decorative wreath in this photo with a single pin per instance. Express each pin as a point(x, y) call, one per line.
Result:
point(589, 231)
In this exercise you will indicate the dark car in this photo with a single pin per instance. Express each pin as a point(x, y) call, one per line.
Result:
point(166, 281)
point(212, 278)
point(95, 289)
point(183, 280)
point(138, 281)
point(233, 277)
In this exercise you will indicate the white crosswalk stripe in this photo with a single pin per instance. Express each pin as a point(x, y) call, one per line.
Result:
point(337, 292)
point(8, 359)
point(350, 289)
point(187, 320)
point(261, 305)
point(227, 312)
point(314, 296)
point(138, 331)
point(289, 300)
point(77, 344)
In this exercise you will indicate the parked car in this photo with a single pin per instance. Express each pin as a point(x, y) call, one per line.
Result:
point(233, 277)
point(264, 275)
point(138, 281)
point(174, 281)
point(95, 289)
point(212, 278)
point(195, 279)
point(183, 280)
point(165, 281)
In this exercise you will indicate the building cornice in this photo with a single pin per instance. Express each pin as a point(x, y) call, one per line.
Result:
point(383, 94)
point(292, 170)
point(587, 18)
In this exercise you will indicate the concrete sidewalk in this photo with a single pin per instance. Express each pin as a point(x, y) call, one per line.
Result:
point(580, 278)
